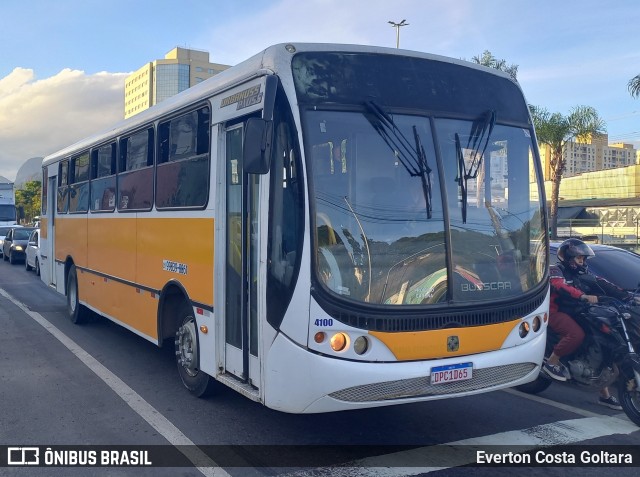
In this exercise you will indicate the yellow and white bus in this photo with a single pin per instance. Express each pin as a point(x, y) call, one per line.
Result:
point(321, 227)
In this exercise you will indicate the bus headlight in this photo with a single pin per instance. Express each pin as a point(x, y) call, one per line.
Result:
point(537, 322)
point(361, 345)
point(524, 329)
point(339, 342)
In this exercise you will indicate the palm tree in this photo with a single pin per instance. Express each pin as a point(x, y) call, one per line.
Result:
point(556, 130)
point(487, 59)
point(634, 86)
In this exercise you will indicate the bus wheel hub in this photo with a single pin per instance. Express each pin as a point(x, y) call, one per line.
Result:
point(187, 348)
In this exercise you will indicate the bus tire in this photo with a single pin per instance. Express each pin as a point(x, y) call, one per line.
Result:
point(198, 382)
point(78, 313)
point(537, 386)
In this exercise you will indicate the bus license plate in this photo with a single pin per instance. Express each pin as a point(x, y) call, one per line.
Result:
point(451, 373)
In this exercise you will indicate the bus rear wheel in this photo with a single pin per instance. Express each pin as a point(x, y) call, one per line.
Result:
point(187, 348)
point(78, 313)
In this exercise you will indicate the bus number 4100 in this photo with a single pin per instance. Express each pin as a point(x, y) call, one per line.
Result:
point(323, 322)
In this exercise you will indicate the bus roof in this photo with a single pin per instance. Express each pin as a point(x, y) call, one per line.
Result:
point(269, 61)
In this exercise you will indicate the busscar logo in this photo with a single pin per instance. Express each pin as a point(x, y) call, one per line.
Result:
point(23, 456)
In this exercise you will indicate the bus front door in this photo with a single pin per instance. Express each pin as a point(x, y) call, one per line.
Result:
point(241, 263)
point(49, 269)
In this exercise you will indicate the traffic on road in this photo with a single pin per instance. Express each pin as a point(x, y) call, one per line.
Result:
point(65, 387)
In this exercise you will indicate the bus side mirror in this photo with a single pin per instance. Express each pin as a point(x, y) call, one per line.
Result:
point(258, 134)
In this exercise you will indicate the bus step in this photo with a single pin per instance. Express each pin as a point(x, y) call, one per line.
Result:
point(245, 389)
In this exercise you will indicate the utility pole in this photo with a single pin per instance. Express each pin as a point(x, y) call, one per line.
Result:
point(397, 27)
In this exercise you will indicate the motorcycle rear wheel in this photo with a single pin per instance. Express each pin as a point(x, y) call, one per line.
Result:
point(629, 396)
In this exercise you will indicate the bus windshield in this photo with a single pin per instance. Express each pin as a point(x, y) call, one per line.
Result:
point(418, 208)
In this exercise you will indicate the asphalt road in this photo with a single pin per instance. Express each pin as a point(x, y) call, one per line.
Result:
point(101, 385)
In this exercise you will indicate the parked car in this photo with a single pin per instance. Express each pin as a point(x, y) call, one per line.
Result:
point(617, 265)
point(3, 233)
point(32, 258)
point(15, 244)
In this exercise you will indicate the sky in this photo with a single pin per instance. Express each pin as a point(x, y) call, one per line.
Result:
point(63, 63)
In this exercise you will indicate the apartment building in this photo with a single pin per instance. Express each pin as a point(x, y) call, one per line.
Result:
point(160, 79)
point(595, 154)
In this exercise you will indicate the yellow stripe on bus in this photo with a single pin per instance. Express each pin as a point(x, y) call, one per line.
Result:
point(132, 306)
point(432, 344)
point(147, 252)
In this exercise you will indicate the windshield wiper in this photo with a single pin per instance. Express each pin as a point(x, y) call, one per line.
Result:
point(480, 131)
point(425, 171)
point(412, 158)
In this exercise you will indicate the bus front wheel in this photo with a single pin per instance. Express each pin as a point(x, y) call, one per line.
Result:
point(78, 313)
point(195, 380)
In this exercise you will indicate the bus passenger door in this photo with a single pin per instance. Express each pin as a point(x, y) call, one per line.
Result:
point(242, 232)
point(50, 267)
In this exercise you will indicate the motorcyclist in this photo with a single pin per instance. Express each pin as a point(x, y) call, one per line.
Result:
point(571, 283)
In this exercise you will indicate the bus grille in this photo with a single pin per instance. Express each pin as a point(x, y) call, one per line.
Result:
point(421, 387)
point(422, 320)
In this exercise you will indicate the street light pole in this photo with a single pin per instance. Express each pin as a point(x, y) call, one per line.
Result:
point(397, 27)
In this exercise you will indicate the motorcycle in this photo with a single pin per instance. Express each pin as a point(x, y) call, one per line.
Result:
point(607, 356)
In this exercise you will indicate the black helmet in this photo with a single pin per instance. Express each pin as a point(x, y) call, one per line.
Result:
point(572, 248)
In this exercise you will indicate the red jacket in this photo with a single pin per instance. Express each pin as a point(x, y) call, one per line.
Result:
point(560, 289)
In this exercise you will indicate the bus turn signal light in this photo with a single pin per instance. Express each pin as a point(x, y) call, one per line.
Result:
point(319, 337)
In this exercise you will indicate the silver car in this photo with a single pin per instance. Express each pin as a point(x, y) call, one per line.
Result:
point(15, 243)
point(4, 230)
point(32, 257)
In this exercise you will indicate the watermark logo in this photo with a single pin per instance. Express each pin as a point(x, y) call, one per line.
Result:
point(23, 456)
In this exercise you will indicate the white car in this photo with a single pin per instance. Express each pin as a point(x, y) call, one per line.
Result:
point(32, 259)
point(3, 233)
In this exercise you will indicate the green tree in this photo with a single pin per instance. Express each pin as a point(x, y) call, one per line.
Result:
point(634, 86)
point(28, 200)
point(556, 130)
point(487, 59)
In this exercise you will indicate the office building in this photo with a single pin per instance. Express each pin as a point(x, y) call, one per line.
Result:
point(160, 79)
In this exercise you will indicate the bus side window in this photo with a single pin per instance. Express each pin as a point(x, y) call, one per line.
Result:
point(103, 178)
point(182, 176)
point(135, 174)
point(286, 205)
point(79, 183)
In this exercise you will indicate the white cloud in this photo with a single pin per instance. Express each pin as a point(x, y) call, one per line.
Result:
point(38, 117)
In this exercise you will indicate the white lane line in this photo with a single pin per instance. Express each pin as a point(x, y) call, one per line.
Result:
point(429, 459)
point(549, 402)
point(145, 410)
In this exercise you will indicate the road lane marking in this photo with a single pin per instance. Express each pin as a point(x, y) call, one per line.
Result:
point(424, 460)
point(549, 402)
point(136, 402)
point(400, 464)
